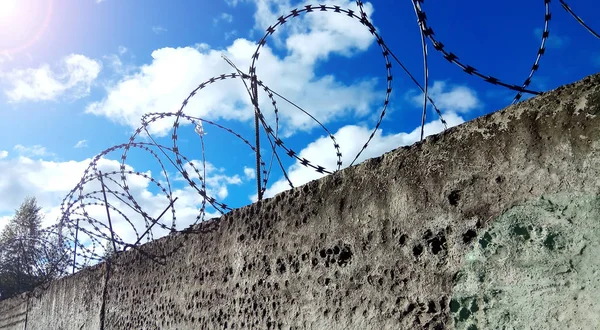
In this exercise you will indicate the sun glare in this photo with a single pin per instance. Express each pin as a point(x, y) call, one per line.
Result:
point(22, 22)
point(8, 9)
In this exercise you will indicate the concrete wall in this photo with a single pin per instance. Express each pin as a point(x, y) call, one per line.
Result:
point(13, 313)
point(71, 303)
point(493, 224)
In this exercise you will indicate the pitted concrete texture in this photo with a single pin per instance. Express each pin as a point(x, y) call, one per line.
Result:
point(13, 313)
point(70, 303)
point(375, 246)
point(536, 267)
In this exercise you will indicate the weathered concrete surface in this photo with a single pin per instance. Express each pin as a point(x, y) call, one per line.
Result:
point(380, 245)
point(536, 267)
point(71, 303)
point(13, 313)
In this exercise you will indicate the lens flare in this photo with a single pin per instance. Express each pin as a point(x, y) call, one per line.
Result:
point(22, 23)
point(8, 9)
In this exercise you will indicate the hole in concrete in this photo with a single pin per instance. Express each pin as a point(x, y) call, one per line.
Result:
point(345, 256)
point(521, 231)
point(474, 306)
point(402, 239)
point(417, 250)
point(438, 244)
point(464, 314)
point(431, 307)
point(550, 242)
point(454, 306)
point(469, 236)
point(454, 197)
point(485, 240)
point(410, 308)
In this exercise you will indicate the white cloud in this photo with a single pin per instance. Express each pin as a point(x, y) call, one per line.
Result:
point(319, 35)
point(224, 17)
point(459, 98)
point(33, 151)
point(268, 11)
point(81, 144)
point(72, 79)
point(114, 62)
point(351, 138)
point(230, 34)
point(49, 182)
point(250, 173)
point(3, 154)
point(163, 84)
point(174, 72)
point(4, 221)
point(159, 29)
point(216, 179)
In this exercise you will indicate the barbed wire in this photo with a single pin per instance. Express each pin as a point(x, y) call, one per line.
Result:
point(89, 235)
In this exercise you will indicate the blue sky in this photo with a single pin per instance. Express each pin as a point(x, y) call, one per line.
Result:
point(76, 77)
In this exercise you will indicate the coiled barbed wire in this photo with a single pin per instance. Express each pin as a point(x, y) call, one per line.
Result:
point(87, 237)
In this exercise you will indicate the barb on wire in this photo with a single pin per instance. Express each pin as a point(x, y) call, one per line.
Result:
point(86, 232)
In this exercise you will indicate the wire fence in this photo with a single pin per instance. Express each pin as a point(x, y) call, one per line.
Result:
point(90, 237)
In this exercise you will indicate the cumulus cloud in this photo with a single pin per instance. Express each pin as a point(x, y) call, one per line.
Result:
point(230, 34)
point(223, 17)
point(33, 151)
point(216, 179)
point(162, 86)
point(3, 154)
point(51, 181)
point(115, 63)
point(72, 79)
point(461, 99)
point(250, 173)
